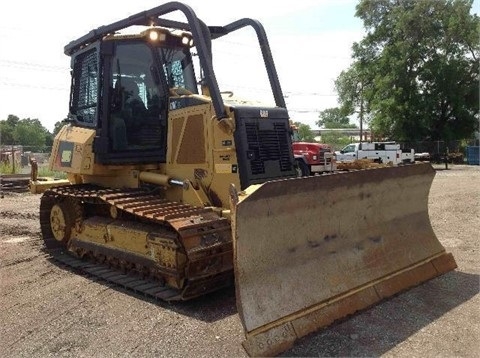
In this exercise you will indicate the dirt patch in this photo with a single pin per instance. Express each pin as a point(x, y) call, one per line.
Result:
point(47, 309)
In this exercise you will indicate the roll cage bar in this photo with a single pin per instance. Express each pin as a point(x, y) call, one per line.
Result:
point(202, 41)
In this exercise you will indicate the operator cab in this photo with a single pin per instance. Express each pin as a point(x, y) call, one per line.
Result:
point(130, 113)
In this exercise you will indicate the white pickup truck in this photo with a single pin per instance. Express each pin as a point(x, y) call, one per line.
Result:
point(380, 152)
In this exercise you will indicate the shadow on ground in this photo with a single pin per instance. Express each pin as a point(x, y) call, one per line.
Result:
point(208, 308)
point(368, 333)
point(382, 327)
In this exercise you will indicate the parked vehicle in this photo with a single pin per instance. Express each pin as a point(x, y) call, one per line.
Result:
point(311, 157)
point(380, 152)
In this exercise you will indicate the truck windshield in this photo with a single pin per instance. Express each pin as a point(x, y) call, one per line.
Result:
point(349, 148)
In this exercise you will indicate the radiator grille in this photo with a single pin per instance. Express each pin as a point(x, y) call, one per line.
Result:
point(267, 145)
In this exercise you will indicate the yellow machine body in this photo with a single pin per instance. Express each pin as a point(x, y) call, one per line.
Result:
point(217, 199)
point(309, 251)
point(195, 155)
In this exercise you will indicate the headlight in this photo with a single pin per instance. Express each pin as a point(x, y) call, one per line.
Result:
point(154, 35)
point(187, 41)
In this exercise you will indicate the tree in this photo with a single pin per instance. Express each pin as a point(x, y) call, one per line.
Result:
point(27, 132)
point(334, 118)
point(7, 128)
point(58, 125)
point(304, 132)
point(336, 140)
point(30, 133)
point(48, 140)
point(354, 86)
point(416, 71)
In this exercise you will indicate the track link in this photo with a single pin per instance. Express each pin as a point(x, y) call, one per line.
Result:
point(209, 264)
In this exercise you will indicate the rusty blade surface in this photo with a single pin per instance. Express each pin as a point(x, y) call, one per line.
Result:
point(302, 244)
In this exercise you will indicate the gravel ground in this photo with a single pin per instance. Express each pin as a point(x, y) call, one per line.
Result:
point(48, 310)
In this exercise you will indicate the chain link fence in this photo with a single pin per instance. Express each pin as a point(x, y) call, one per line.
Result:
point(16, 158)
point(438, 151)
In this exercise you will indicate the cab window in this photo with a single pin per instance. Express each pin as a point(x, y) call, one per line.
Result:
point(349, 149)
point(136, 121)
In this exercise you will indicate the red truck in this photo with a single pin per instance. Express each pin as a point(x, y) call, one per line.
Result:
point(311, 157)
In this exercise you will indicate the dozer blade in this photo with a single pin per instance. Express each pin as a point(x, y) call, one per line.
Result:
point(309, 251)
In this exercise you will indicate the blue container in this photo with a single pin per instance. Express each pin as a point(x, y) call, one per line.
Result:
point(473, 155)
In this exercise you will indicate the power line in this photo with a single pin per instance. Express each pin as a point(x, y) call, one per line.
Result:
point(254, 45)
point(264, 90)
point(299, 93)
point(32, 66)
point(304, 110)
point(24, 85)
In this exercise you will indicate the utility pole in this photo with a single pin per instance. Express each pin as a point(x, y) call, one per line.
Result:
point(13, 159)
point(361, 113)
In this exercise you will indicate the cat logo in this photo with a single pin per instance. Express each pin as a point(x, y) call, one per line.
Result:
point(263, 113)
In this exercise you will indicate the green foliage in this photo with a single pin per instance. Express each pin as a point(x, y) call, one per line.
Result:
point(30, 133)
point(415, 74)
point(336, 140)
point(334, 118)
point(44, 171)
point(304, 133)
point(7, 168)
point(7, 128)
point(27, 132)
point(59, 125)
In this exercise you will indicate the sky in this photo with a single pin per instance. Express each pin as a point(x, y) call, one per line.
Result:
point(310, 40)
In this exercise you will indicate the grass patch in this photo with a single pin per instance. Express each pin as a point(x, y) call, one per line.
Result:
point(7, 168)
point(44, 171)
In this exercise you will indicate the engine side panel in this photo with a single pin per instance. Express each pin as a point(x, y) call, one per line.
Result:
point(72, 150)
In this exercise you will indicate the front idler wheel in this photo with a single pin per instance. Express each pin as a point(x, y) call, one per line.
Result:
point(61, 223)
point(58, 220)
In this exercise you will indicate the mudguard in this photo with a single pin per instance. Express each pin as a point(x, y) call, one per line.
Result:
point(308, 251)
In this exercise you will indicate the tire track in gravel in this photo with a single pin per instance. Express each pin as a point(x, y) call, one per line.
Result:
point(92, 323)
point(40, 280)
point(56, 313)
point(18, 261)
point(8, 214)
point(50, 311)
point(36, 275)
point(70, 330)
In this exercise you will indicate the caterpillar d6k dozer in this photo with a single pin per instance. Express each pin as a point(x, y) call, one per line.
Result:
point(178, 190)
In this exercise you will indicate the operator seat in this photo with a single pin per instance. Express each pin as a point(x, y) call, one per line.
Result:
point(133, 110)
point(128, 112)
point(131, 98)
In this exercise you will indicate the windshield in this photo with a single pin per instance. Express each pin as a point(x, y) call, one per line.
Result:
point(349, 148)
point(178, 68)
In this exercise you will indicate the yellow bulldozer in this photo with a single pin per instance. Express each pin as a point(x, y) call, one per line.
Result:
point(177, 189)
